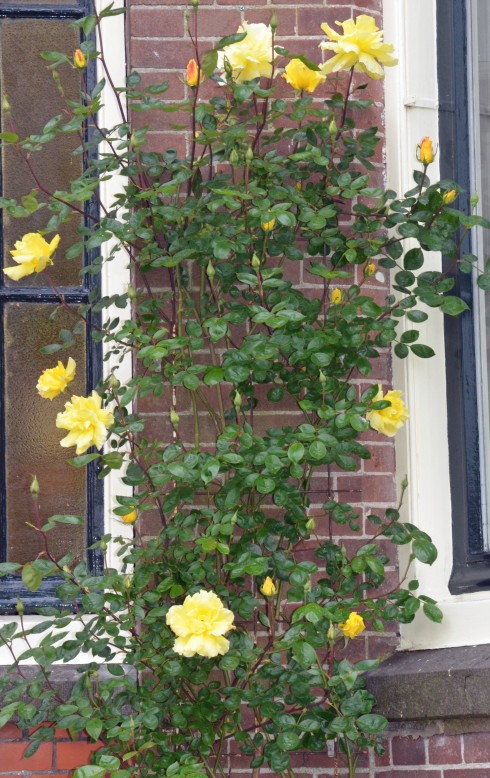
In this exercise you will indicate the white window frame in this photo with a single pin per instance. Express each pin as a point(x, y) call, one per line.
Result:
point(422, 450)
point(115, 278)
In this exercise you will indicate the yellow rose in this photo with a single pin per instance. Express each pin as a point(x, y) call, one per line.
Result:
point(252, 57)
point(86, 422)
point(301, 77)
point(268, 588)
point(336, 296)
point(79, 59)
point(360, 47)
point(55, 380)
point(389, 420)
point(425, 151)
point(129, 518)
point(200, 623)
point(32, 253)
point(449, 197)
point(193, 74)
point(353, 626)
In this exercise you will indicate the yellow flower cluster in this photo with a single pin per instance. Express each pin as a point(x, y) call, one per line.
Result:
point(360, 47)
point(32, 253)
point(388, 420)
point(200, 624)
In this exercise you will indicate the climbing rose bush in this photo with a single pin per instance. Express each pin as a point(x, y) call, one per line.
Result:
point(234, 629)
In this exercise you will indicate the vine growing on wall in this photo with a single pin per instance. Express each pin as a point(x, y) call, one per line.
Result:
point(217, 630)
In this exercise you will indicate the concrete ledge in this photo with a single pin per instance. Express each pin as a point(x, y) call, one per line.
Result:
point(448, 683)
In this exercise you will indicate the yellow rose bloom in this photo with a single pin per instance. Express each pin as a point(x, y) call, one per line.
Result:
point(425, 151)
point(268, 588)
point(336, 296)
point(129, 518)
point(449, 197)
point(252, 57)
point(200, 623)
point(301, 77)
point(370, 269)
point(86, 422)
point(32, 253)
point(55, 380)
point(389, 420)
point(353, 626)
point(360, 47)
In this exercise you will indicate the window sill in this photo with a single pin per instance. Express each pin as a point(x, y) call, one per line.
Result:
point(449, 684)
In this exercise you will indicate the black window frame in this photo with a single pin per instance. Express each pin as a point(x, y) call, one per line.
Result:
point(11, 586)
point(471, 563)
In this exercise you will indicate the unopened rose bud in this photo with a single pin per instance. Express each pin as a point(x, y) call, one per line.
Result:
point(131, 293)
point(249, 155)
point(19, 606)
point(425, 151)
point(268, 588)
point(193, 74)
point(127, 582)
point(113, 382)
point(322, 377)
point(234, 158)
point(336, 296)
point(370, 269)
point(210, 271)
point(195, 3)
point(475, 199)
point(449, 197)
point(129, 518)
point(79, 59)
point(332, 127)
point(66, 569)
point(237, 400)
point(268, 225)
point(255, 261)
point(174, 418)
point(311, 525)
point(6, 109)
point(273, 22)
point(34, 487)
point(331, 633)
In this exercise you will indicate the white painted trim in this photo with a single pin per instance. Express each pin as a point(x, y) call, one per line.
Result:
point(114, 280)
point(423, 451)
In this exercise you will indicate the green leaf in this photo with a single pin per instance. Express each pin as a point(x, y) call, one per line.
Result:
point(8, 567)
point(304, 654)
point(422, 351)
point(317, 450)
point(288, 741)
point(94, 728)
point(9, 137)
point(89, 771)
point(432, 612)
point(424, 550)
point(31, 578)
point(483, 282)
point(453, 306)
point(413, 259)
point(371, 723)
point(296, 452)
point(83, 460)
point(214, 376)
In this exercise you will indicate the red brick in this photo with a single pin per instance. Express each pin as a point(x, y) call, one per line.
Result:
point(10, 732)
point(476, 747)
point(12, 757)
point(71, 755)
point(148, 23)
point(402, 772)
point(445, 749)
point(408, 750)
point(468, 772)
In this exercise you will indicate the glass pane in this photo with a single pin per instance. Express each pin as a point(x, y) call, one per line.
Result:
point(46, 3)
point(32, 444)
point(34, 99)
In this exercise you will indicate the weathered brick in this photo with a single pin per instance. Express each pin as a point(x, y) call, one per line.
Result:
point(445, 749)
point(408, 750)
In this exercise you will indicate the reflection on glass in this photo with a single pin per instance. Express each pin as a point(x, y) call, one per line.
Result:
point(34, 99)
point(32, 439)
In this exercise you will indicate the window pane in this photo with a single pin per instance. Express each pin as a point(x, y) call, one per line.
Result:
point(34, 99)
point(32, 439)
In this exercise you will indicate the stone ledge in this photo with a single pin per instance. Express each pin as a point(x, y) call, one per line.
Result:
point(447, 683)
